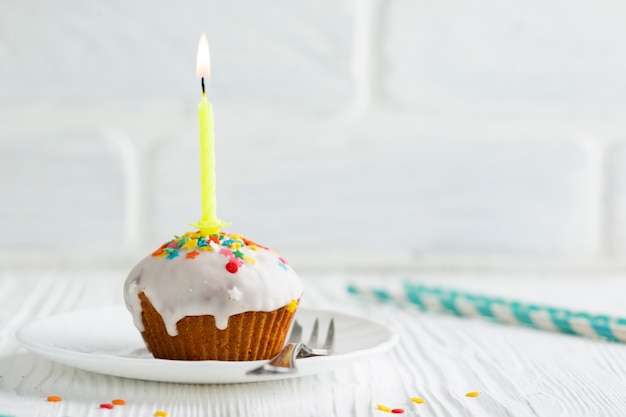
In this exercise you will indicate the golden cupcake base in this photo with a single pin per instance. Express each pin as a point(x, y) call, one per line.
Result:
point(249, 336)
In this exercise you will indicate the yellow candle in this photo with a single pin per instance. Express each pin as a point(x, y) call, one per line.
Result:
point(208, 223)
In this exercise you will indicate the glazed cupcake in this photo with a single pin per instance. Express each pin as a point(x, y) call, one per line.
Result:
point(213, 297)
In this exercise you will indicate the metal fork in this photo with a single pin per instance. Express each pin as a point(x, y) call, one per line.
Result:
point(285, 360)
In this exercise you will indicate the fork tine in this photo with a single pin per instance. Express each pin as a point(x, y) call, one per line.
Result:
point(330, 335)
point(313, 338)
point(296, 333)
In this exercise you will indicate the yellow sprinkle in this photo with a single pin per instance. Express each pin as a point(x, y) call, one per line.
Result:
point(254, 247)
point(249, 260)
point(291, 307)
point(383, 408)
point(472, 394)
point(236, 237)
point(160, 413)
point(417, 400)
point(235, 245)
point(190, 243)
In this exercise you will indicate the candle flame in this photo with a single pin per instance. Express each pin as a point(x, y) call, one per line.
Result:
point(203, 63)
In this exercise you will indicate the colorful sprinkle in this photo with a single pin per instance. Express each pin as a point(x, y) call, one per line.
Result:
point(397, 411)
point(53, 399)
point(118, 402)
point(417, 400)
point(191, 244)
point(383, 408)
point(232, 267)
point(472, 394)
point(107, 406)
point(292, 306)
point(192, 254)
point(160, 413)
point(226, 252)
point(234, 294)
point(234, 246)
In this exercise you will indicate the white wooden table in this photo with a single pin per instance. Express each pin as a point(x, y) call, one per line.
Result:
point(518, 371)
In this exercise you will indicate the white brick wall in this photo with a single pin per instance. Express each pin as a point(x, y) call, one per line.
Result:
point(377, 133)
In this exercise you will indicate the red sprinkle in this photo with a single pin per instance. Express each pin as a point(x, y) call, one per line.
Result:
point(232, 267)
point(397, 411)
point(109, 406)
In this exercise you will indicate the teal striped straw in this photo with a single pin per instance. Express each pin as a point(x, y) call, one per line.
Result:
point(462, 304)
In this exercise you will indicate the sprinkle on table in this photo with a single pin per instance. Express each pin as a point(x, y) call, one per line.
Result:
point(118, 402)
point(417, 400)
point(160, 413)
point(107, 406)
point(53, 399)
point(472, 394)
point(397, 411)
point(383, 408)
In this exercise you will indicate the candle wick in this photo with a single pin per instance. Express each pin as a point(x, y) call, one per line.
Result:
point(202, 81)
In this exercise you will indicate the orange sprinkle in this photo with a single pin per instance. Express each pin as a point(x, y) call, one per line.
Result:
point(192, 254)
point(157, 252)
point(118, 402)
point(54, 399)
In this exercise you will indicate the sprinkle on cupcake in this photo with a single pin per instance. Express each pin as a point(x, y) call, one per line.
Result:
point(235, 247)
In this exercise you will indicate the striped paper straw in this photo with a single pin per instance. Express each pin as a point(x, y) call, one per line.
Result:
point(462, 304)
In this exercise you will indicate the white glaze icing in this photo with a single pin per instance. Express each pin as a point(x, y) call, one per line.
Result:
point(181, 287)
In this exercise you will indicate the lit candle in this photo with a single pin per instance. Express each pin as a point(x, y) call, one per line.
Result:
point(208, 223)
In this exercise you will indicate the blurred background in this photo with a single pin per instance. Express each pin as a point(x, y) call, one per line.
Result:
point(369, 135)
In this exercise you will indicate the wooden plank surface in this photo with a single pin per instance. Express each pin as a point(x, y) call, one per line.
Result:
point(518, 371)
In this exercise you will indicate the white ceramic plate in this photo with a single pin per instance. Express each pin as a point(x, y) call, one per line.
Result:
point(105, 340)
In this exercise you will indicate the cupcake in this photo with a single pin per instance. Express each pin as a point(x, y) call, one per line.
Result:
point(213, 297)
